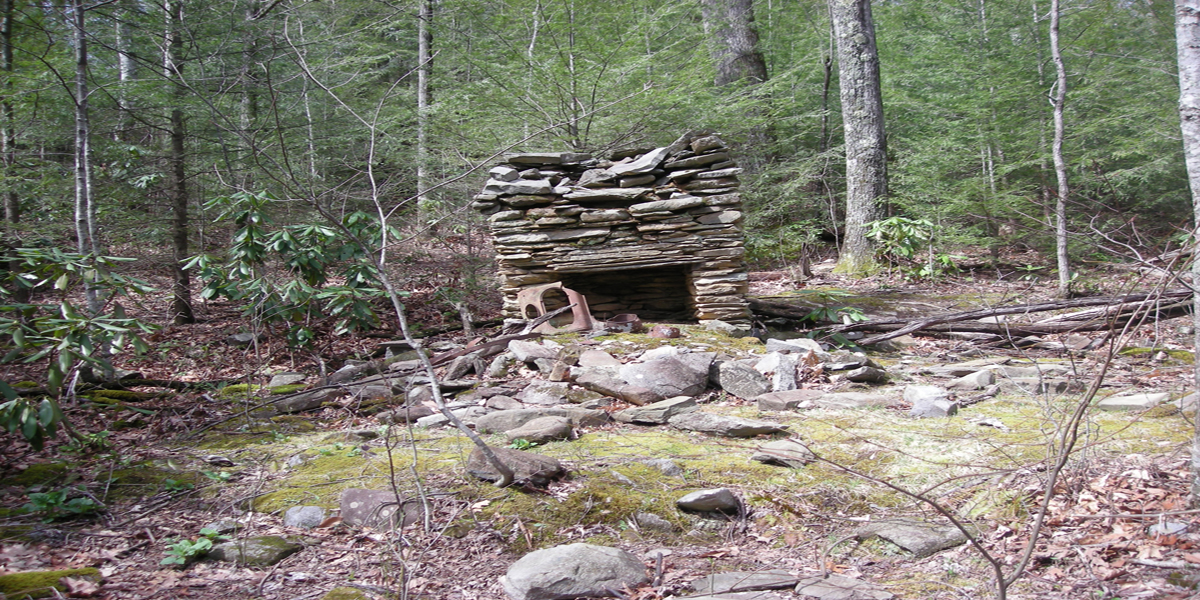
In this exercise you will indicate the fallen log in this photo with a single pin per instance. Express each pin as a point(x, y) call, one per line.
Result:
point(1114, 312)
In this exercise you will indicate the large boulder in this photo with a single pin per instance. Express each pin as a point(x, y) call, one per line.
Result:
point(741, 380)
point(506, 420)
point(667, 377)
point(379, 509)
point(527, 467)
point(262, 551)
point(657, 413)
point(542, 430)
point(601, 382)
point(573, 571)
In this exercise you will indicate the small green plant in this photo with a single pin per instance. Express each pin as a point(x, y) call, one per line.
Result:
point(218, 476)
point(54, 506)
point(174, 485)
point(522, 444)
point(182, 552)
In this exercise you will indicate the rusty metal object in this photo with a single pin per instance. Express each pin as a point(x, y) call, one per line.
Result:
point(665, 332)
point(533, 305)
point(626, 323)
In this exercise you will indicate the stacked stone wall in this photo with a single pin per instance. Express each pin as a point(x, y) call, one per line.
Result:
point(565, 216)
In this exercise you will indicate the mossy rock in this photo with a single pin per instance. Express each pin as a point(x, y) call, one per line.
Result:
point(1180, 355)
point(26, 385)
point(145, 479)
point(115, 396)
point(345, 593)
point(41, 584)
point(49, 473)
point(280, 390)
point(295, 423)
point(238, 389)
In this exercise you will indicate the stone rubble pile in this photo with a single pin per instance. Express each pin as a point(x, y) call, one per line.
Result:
point(654, 232)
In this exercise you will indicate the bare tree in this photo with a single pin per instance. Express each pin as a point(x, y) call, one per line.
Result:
point(1187, 40)
point(862, 122)
point(1059, 99)
point(425, 65)
point(8, 134)
point(181, 304)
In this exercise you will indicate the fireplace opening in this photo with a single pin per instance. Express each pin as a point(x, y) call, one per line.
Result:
point(659, 294)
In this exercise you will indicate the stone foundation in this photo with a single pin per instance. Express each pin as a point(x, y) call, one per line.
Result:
point(656, 233)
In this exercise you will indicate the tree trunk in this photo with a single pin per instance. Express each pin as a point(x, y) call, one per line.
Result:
point(1187, 40)
point(181, 304)
point(425, 204)
point(126, 69)
point(85, 227)
point(8, 137)
point(862, 122)
point(1060, 165)
point(731, 24)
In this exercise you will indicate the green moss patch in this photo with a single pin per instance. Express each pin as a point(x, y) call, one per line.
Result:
point(45, 474)
point(280, 390)
point(41, 584)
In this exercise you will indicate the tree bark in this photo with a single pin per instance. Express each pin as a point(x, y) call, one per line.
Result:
point(425, 204)
point(862, 122)
point(8, 137)
point(731, 24)
point(1059, 100)
point(85, 210)
point(181, 304)
point(126, 69)
point(1187, 40)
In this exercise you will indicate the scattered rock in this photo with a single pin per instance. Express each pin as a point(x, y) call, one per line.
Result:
point(851, 400)
point(502, 402)
point(784, 453)
point(929, 401)
point(741, 380)
point(653, 522)
point(599, 359)
point(717, 500)
point(303, 401)
point(602, 383)
point(244, 339)
point(666, 466)
point(973, 381)
point(527, 467)
point(542, 430)
point(789, 400)
point(378, 509)
point(667, 377)
point(306, 517)
point(407, 414)
point(506, 420)
point(920, 538)
point(866, 375)
point(724, 425)
point(657, 413)
point(546, 393)
point(526, 352)
point(41, 584)
point(728, 329)
point(742, 581)
point(779, 369)
point(573, 571)
point(839, 587)
point(797, 345)
point(288, 378)
point(261, 551)
point(1132, 402)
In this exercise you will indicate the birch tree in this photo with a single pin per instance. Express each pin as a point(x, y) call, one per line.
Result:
point(1187, 41)
point(862, 122)
point(1059, 99)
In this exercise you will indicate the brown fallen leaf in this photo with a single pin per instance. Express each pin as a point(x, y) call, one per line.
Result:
point(79, 588)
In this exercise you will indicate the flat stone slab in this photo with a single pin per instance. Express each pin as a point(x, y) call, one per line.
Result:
point(657, 413)
point(789, 400)
point(505, 420)
point(784, 453)
point(261, 551)
point(763, 595)
point(744, 581)
point(852, 400)
point(1132, 402)
point(837, 587)
point(542, 430)
point(380, 509)
point(547, 393)
point(724, 426)
point(667, 377)
point(921, 538)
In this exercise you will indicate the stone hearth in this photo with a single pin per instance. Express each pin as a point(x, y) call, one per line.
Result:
point(654, 232)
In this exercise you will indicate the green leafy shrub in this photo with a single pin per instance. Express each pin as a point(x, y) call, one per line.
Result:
point(57, 505)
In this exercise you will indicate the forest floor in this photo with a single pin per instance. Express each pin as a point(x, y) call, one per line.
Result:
point(1116, 527)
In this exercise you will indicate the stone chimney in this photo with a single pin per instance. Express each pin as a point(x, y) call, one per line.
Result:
point(653, 232)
